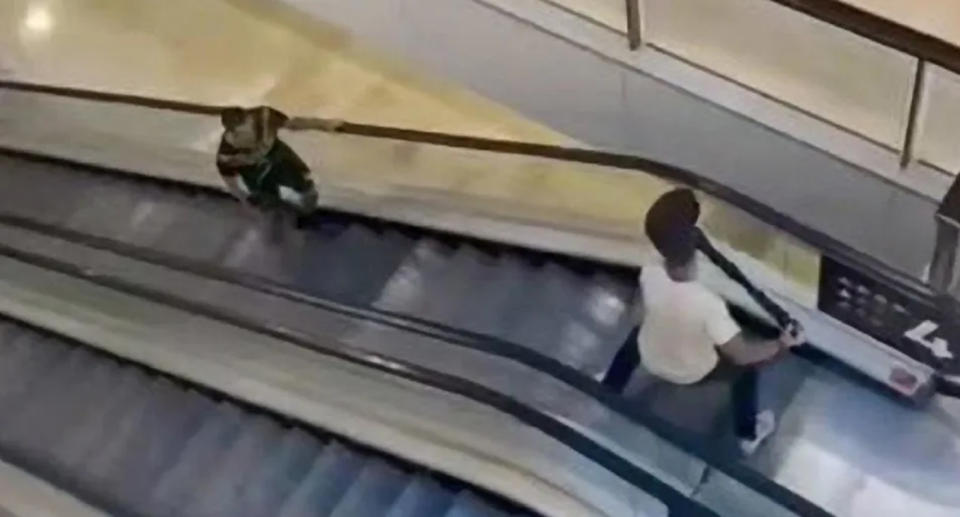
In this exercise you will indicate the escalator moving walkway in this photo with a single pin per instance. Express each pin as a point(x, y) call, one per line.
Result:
point(135, 442)
point(572, 311)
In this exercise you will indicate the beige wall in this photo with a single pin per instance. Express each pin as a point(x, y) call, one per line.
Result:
point(939, 141)
point(940, 18)
point(817, 67)
point(612, 13)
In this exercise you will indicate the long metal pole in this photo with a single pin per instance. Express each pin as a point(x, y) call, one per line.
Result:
point(917, 100)
point(634, 24)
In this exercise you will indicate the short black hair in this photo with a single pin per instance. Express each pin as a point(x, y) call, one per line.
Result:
point(671, 225)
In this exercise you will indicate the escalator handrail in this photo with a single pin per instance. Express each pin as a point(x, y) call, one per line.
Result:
point(826, 244)
point(685, 440)
point(555, 427)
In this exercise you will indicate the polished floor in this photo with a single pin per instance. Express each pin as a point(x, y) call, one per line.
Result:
point(236, 51)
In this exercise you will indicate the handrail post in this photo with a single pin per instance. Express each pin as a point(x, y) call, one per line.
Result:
point(917, 100)
point(635, 17)
point(944, 261)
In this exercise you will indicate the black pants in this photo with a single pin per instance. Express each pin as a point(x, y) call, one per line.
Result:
point(742, 381)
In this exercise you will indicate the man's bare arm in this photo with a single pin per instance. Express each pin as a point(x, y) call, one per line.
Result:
point(738, 351)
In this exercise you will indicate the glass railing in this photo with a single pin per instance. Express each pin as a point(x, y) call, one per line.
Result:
point(889, 83)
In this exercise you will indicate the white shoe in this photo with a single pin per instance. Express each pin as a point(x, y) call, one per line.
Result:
point(766, 424)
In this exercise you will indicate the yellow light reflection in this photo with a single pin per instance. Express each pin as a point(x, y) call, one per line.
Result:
point(38, 20)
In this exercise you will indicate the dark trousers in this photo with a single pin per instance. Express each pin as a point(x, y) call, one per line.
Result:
point(742, 381)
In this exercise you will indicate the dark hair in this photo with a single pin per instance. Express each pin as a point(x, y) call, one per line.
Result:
point(671, 225)
point(231, 117)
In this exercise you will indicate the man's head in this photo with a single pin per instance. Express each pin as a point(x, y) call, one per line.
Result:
point(250, 128)
point(671, 225)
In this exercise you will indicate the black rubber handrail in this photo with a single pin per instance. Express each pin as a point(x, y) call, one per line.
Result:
point(826, 244)
point(678, 503)
point(685, 440)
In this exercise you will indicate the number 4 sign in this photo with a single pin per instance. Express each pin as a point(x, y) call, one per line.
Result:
point(923, 333)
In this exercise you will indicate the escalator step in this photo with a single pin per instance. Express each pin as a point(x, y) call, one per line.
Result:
point(279, 475)
point(360, 266)
point(33, 434)
point(374, 491)
point(451, 292)
point(30, 407)
point(156, 446)
point(104, 457)
point(423, 496)
point(39, 361)
point(220, 493)
point(493, 304)
point(404, 291)
point(333, 472)
point(109, 209)
point(198, 230)
point(541, 315)
point(197, 459)
point(469, 505)
point(100, 420)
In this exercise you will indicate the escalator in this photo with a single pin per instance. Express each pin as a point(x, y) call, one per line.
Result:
point(573, 311)
point(561, 316)
point(136, 442)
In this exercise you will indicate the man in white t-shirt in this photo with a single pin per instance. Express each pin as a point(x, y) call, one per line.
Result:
point(687, 334)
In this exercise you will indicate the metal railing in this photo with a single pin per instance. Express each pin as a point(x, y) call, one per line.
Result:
point(924, 48)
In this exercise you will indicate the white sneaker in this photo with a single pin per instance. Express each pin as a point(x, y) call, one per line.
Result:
point(766, 424)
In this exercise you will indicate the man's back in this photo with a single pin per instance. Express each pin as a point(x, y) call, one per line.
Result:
point(683, 324)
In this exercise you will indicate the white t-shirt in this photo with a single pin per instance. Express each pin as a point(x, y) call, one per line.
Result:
point(683, 324)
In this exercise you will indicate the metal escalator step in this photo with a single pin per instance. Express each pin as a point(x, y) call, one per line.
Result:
point(494, 304)
point(8, 332)
point(374, 491)
point(451, 293)
point(100, 420)
point(266, 250)
point(104, 458)
point(608, 317)
point(393, 247)
point(467, 504)
point(547, 307)
point(33, 434)
point(221, 494)
point(16, 354)
point(405, 290)
point(156, 445)
point(423, 496)
point(195, 462)
point(31, 406)
point(280, 474)
point(360, 266)
point(108, 211)
point(48, 197)
point(333, 472)
point(198, 230)
point(40, 359)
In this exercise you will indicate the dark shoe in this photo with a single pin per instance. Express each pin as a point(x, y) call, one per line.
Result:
point(304, 221)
